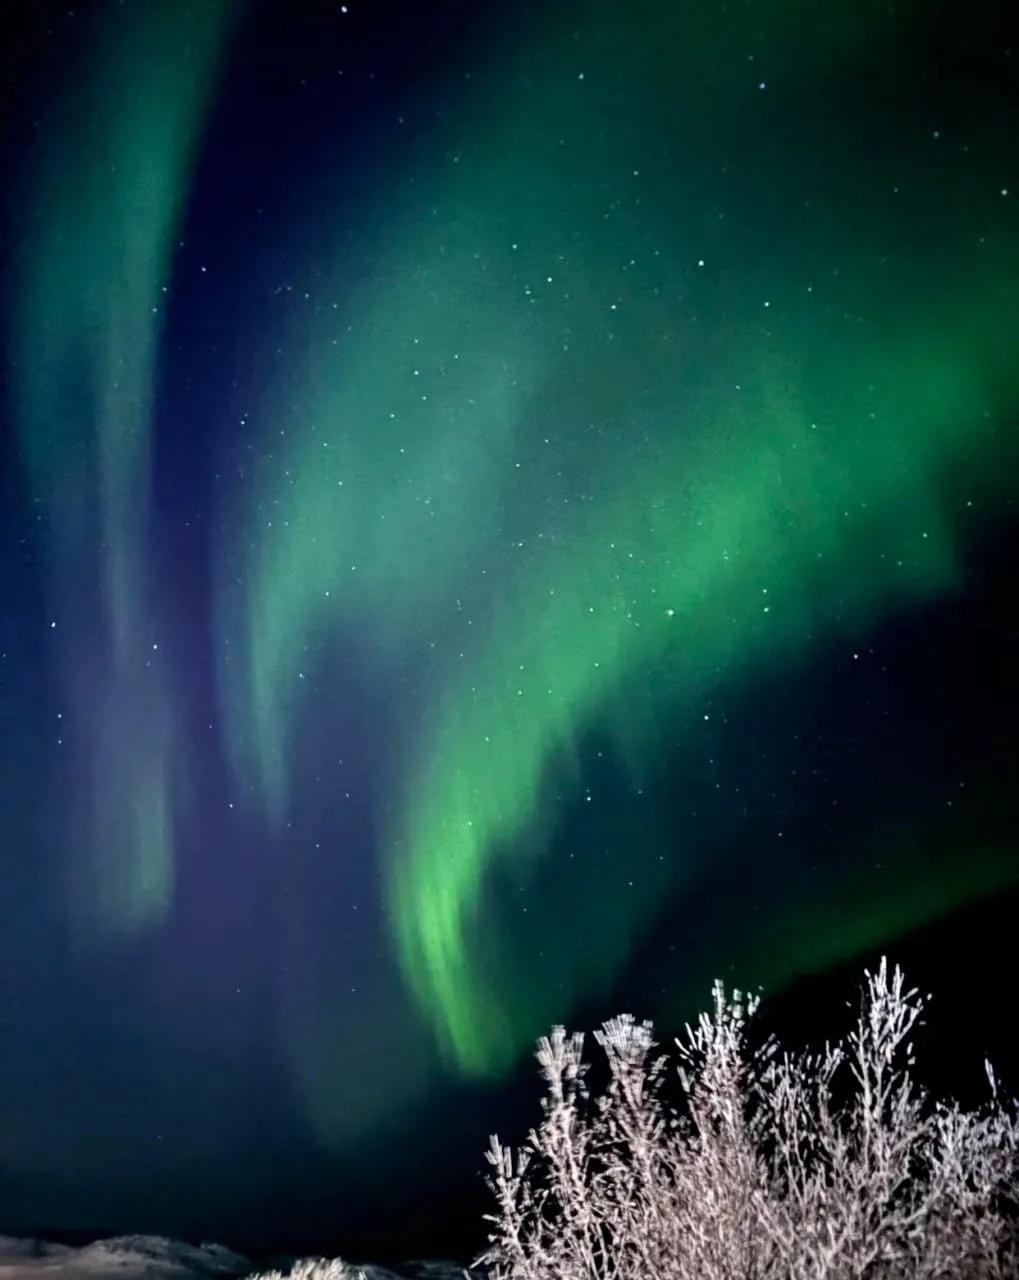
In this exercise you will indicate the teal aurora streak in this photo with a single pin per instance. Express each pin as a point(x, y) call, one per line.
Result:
point(102, 197)
point(631, 394)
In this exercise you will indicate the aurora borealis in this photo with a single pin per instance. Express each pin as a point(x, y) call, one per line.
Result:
point(101, 209)
point(505, 512)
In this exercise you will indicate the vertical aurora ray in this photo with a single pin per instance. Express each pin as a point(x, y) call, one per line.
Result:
point(102, 199)
point(579, 448)
point(374, 471)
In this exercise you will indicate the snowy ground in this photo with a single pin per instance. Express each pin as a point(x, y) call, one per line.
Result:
point(156, 1258)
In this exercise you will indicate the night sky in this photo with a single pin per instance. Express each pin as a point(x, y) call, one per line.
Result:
point(507, 512)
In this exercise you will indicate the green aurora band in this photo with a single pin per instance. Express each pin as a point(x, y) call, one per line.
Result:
point(102, 196)
point(603, 423)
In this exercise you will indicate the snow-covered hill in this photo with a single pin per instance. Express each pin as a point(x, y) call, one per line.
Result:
point(157, 1258)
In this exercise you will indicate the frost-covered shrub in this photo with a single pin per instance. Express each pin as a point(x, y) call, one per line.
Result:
point(315, 1269)
point(779, 1166)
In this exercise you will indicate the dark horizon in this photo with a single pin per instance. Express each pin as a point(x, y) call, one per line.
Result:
point(949, 1063)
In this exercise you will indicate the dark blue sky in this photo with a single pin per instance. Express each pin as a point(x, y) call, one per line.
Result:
point(259, 986)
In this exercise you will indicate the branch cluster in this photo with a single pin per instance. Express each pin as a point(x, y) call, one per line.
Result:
point(776, 1166)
